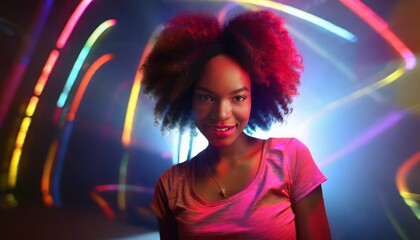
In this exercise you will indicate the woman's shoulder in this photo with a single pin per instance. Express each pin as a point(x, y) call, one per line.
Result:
point(178, 170)
point(284, 143)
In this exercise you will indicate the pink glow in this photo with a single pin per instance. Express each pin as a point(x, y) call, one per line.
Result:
point(71, 23)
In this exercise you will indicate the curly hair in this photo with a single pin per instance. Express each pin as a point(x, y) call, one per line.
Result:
point(256, 40)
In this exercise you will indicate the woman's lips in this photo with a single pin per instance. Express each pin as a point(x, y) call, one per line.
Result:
point(221, 131)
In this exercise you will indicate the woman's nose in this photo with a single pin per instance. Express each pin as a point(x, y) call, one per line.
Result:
point(222, 110)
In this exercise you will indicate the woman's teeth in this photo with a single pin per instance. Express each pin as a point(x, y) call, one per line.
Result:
point(221, 129)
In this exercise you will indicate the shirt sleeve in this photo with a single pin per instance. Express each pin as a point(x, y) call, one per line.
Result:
point(160, 204)
point(304, 173)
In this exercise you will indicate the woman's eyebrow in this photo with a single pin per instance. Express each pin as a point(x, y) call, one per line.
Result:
point(233, 92)
point(240, 90)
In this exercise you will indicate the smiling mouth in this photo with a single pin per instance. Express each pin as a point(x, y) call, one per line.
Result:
point(222, 129)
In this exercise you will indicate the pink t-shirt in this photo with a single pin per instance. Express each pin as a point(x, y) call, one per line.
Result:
point(261, 211)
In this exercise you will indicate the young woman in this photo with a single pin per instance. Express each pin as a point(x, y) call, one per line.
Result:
point(226, 81)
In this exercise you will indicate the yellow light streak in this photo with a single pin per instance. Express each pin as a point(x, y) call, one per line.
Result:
point(13, 167)
point(354, 96)
point(22, 132)
point(33, 102)
point(135, 91)
point(411, 199)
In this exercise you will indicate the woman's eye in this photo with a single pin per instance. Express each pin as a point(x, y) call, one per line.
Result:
point(205, 98)
point(239, 98)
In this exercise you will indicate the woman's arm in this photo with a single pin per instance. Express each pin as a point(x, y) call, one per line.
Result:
point(310, 217)
point(168, 229)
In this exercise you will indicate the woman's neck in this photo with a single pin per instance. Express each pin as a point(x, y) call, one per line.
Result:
point(239, 150)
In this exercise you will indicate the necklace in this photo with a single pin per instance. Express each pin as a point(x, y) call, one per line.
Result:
point(222, 189)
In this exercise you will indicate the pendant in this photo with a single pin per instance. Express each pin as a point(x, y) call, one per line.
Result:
point(223, 192)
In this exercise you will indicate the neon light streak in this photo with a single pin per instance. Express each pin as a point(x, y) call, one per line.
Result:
point(55, 183)
point(381, 27)
point(46, 71)
point(81, 58)
point(223, 12)
point(33, 102)
point(17, 152)
point(46, 175)
point(84, 83)
point(341, 32)
point(397, 226)
point(135, 91)
point(377, 128)
point(411, 199)
point(30, 109)
point(15, 77)
point(67, 132)
point(353, 96)
point(22, 132)
point(103, 204)
point(323, 53)
point(71, 23)
point(123, 181)
point(115, 187)
point(14, 167)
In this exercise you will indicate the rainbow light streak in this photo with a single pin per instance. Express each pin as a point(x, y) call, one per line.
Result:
point(55, 182)
point(18, 70)
point(67, 130)
point(84, 83)
point(30, 110)
point(17, 152)
point(341, 32)
point(46, 71)
point(411, 199)
point(115, 187)
point(81, 58)
point(135, 91)
point(123, 181)
point(46, 175)
point(103, 204)
point(71, 23)
point(353, 96)
point(378, 127)
point(381, 27)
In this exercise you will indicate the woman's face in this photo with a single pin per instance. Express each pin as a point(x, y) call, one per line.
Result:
point(222, 101)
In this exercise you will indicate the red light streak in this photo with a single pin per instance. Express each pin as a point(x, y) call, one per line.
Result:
point(84, 83)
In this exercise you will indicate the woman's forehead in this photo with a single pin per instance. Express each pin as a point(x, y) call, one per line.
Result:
point(222, 72)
